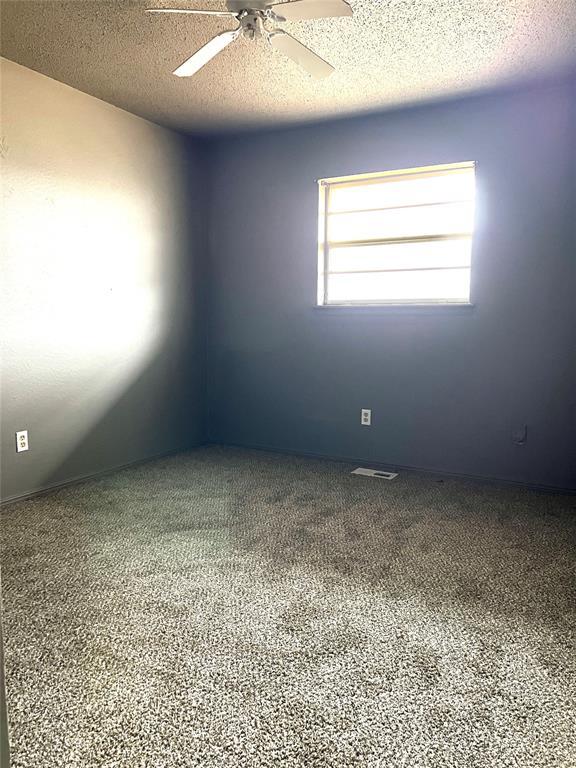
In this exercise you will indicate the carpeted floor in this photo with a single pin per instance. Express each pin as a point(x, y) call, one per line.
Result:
point(235, 608)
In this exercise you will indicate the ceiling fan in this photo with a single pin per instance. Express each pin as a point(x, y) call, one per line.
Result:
point(255, 19)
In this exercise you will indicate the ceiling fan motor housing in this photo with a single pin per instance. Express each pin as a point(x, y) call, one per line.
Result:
point(253, 24)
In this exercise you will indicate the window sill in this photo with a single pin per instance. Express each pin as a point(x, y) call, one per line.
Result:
point(433, 308)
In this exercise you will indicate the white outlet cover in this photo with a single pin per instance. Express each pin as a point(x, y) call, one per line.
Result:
point(375, 473)
point(22, 441)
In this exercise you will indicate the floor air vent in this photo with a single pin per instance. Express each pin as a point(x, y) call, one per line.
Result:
point(375, 473)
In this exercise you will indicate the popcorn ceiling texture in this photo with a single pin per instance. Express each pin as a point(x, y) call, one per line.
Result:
point(391, 52)
point(228, 608)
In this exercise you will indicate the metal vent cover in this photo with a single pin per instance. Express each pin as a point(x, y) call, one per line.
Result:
point(375, 473)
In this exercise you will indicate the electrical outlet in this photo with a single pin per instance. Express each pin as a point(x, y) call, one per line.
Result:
point(520, 434)
point(22, 441)
point(366, 417)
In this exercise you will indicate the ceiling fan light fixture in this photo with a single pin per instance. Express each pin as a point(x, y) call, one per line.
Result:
point(253, 21)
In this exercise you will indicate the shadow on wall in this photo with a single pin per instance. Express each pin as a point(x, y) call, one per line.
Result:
point(157, 413)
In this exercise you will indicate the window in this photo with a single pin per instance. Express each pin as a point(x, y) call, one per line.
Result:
point(400, 237)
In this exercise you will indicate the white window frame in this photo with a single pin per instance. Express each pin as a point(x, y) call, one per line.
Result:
point(325, 186)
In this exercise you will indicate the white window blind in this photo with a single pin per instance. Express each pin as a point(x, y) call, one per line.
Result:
point(399, 237)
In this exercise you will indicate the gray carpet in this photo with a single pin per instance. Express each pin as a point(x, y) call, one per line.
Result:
point(235, 608)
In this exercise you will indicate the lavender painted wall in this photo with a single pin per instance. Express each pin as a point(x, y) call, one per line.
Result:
point(447, 387)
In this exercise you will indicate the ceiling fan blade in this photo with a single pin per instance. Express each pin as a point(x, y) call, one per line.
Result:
point(299, 53)
point(206, 53)
point(300, 10)
point(195, 11)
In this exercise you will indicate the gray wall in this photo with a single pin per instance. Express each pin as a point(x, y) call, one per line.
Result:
point(447, 387)
point(103, 238)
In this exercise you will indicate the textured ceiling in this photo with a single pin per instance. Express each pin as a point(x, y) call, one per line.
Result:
point(391, 52)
